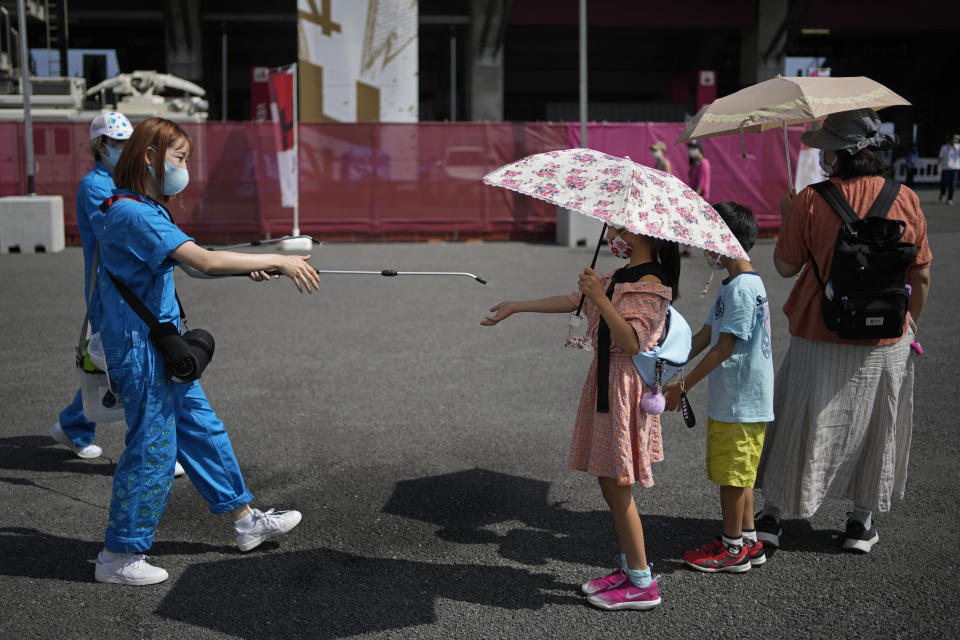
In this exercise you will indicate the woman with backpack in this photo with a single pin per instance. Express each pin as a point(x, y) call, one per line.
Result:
point(843, 396)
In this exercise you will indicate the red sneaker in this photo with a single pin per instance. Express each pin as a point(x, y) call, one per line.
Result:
point(755, 552)
point(714, 557)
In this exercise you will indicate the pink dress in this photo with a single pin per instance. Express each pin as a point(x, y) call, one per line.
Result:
point(624, 443)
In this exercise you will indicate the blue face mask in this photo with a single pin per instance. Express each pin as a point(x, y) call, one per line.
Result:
point(175, 179)
point(111, 155)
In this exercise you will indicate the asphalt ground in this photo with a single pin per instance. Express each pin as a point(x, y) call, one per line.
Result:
point(427, 454)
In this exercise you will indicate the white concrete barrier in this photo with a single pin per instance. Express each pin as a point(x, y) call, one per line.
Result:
point(927, 170)
point(31, 224)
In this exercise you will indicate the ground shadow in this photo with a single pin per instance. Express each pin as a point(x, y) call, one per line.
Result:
point(323, 593)
point(799, 535)
point(31, 553)
point(487, 507)
point(41, 453)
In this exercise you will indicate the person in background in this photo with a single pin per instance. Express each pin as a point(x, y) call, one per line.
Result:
point(910, 164)
point(659, 151)
point(109, 133)
point(948, 162)
point(698, 178)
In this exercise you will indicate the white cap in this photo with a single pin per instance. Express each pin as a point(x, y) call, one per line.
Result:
point(111, 124)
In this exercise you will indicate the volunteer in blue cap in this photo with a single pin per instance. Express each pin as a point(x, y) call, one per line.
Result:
point(109, 132)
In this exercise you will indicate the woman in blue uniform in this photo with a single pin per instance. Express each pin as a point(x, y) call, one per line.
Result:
point(139, 246)
point(108, 133)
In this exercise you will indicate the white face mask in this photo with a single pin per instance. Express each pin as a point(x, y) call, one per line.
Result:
point(620, 247)
point(657, 155)
point(694, 154)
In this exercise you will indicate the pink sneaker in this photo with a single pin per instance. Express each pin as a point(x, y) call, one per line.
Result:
point(609, 581)
point(627, 596)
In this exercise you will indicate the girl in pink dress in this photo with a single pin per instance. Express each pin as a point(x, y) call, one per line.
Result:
point(613, 438)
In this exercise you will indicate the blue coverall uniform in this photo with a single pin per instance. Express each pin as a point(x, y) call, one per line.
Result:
point(165, 419)
point(95, 187)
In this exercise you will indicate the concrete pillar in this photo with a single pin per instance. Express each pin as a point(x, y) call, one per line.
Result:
point(768, 35)
point(488, 25)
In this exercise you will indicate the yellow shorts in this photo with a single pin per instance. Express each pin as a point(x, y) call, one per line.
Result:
point(733, 452)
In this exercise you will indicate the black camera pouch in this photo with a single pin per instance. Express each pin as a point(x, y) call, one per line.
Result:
point(186, 355)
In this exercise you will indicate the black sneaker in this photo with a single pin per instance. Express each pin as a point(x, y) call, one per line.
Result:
point(768, 530)
point(858, 538)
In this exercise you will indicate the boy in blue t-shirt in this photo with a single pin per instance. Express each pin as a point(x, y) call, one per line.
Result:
point(740, 398)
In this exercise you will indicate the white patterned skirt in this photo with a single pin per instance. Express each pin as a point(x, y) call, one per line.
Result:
point(844, 419)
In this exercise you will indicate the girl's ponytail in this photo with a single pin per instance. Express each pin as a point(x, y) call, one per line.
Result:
point(668, 255)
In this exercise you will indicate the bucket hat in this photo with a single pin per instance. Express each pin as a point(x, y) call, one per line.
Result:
point(847, 130)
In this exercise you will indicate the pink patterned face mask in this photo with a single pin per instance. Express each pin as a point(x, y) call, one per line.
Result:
point(620, 247)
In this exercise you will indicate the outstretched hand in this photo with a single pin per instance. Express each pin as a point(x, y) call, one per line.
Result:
point(501, 311)
point(299, 270)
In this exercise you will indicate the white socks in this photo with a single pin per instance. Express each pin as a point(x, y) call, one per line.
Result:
point(245, 522)
point(730, 543)
point(864, 516)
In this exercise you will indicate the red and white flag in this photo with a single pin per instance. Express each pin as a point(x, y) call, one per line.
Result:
point(284, 119)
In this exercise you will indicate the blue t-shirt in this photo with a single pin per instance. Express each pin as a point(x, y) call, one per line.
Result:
point(741, 388)
point(95, 187)
point(135, 246)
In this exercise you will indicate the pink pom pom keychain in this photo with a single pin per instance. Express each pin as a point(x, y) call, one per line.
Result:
point(652, 401)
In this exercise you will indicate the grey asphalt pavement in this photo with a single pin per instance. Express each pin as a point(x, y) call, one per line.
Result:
point(427, 454)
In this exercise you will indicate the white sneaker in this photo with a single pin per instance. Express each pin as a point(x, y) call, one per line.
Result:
point(89, 451)
point(128, 568)
point(265, 525)
point(178, 471)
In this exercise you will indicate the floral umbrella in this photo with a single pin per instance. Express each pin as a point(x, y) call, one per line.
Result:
point(620, 193)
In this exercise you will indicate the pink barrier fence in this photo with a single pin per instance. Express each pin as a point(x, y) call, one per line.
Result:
point(758, 180)
point(383, 181)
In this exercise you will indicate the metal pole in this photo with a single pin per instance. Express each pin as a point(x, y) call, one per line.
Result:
point(453, 74)
point(25, 80)
point(583, 73)
point(296, 152)
point(223, 71)
point(786, 146)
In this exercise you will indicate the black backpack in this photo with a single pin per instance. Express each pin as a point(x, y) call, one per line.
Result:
point(866, 295)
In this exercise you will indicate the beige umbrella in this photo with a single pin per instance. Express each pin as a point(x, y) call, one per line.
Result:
point(781, 101)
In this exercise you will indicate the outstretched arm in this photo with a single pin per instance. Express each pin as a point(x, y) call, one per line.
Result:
point(225, 262)
point(505, 309)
